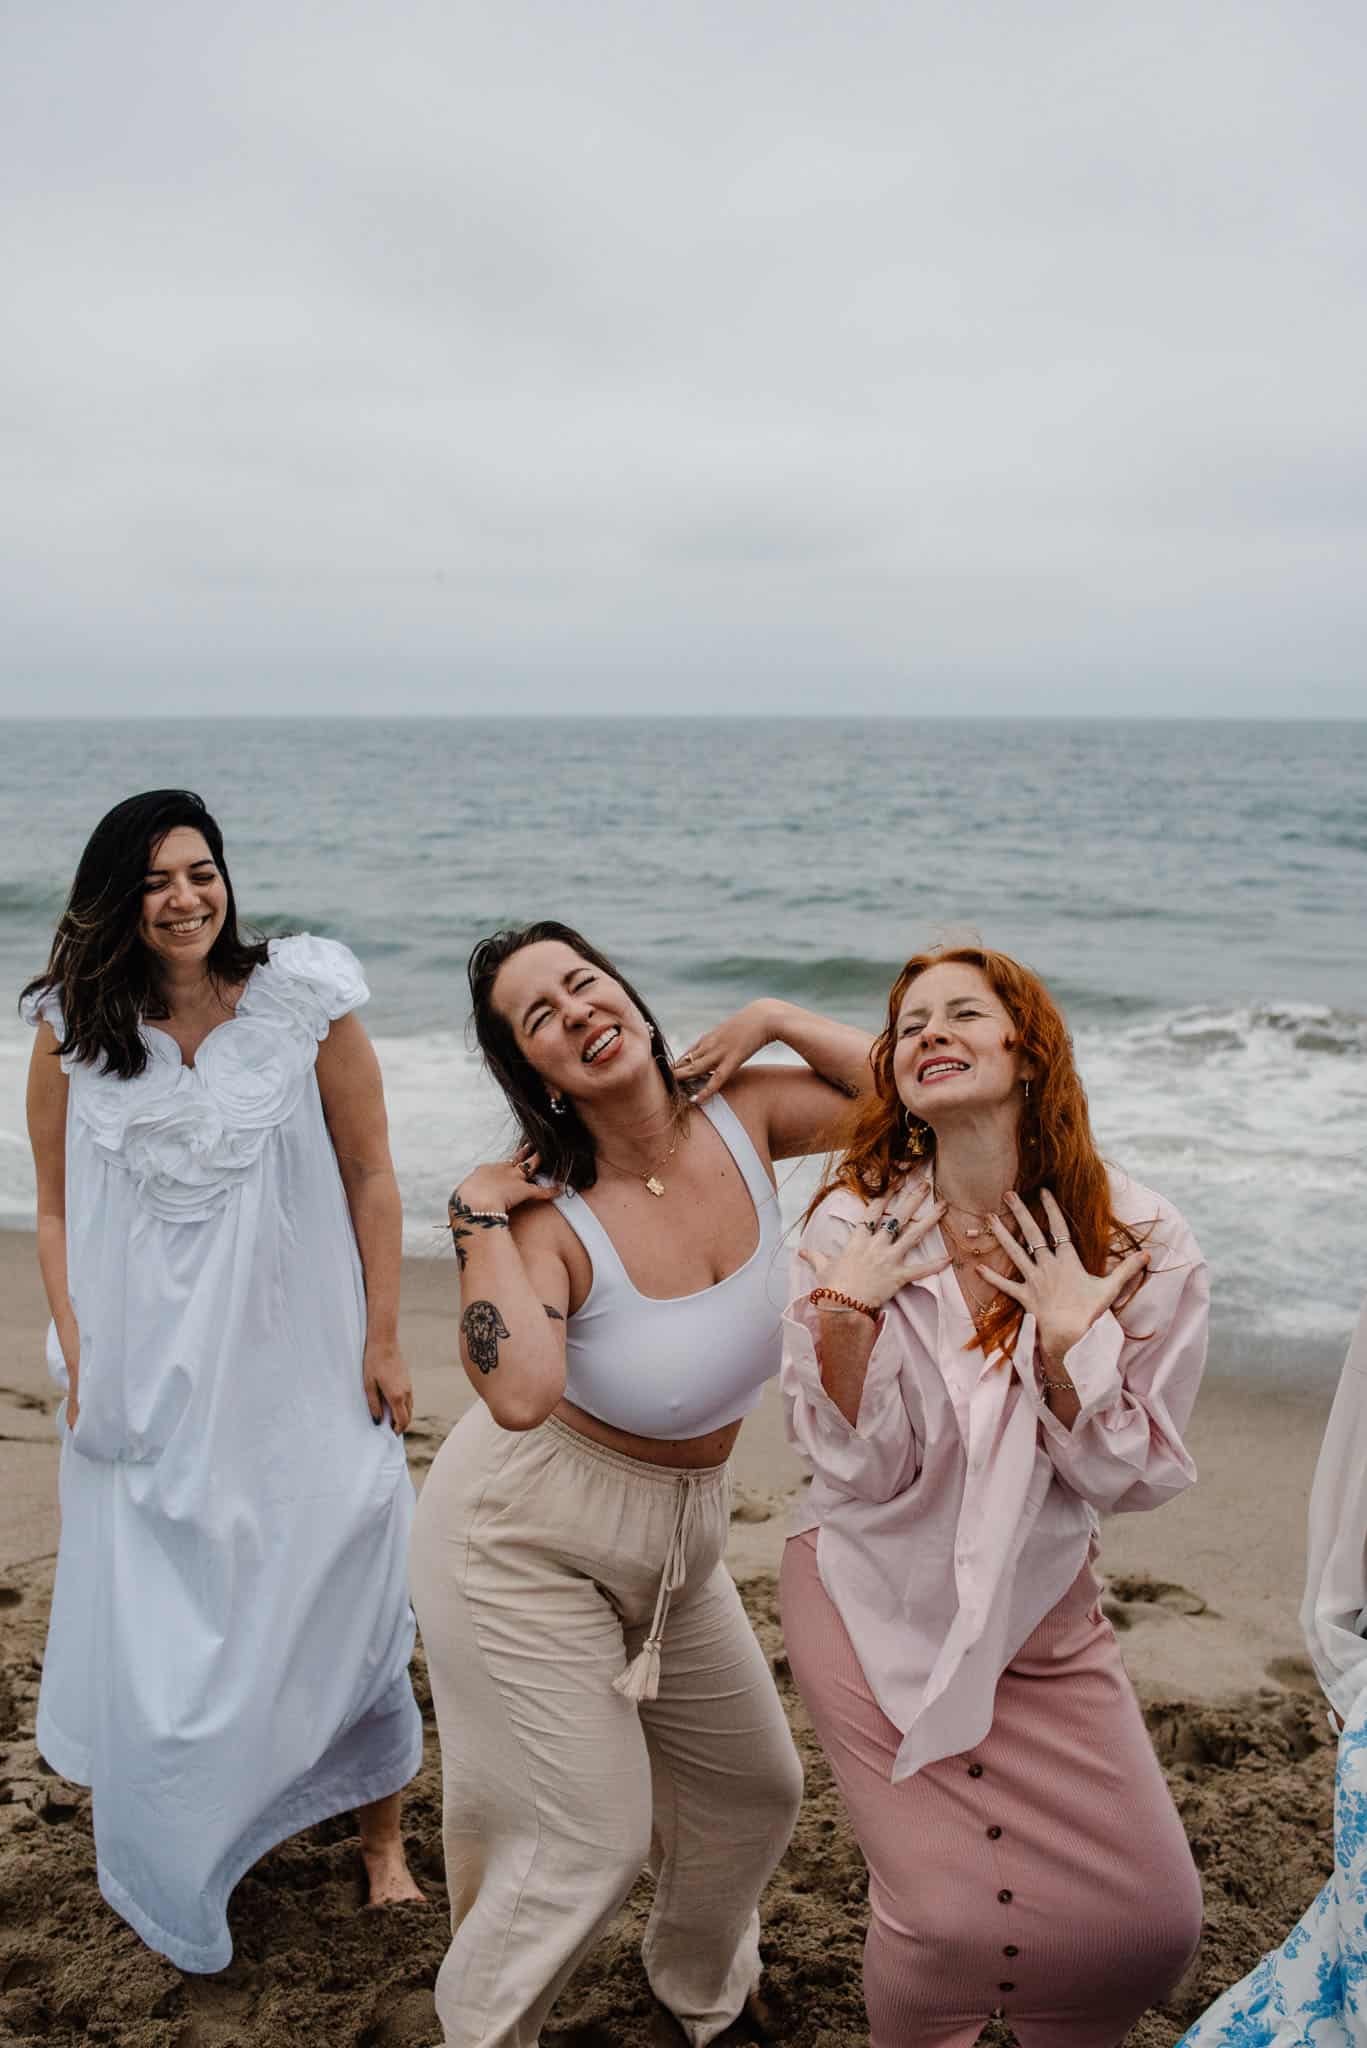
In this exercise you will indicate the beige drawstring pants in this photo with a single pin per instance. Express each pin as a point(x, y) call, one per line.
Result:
point(542, 1566)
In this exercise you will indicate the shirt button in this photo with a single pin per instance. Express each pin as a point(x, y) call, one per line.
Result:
point(1006, 1987)
point(1010, 1949)
point(994, 1834)
point(1004, 1898)
point(975, 1770)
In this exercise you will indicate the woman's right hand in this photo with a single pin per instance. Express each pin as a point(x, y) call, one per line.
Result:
point(880, 1257)
point(502, 1184)
point(485, 1199)
point(69, 1337)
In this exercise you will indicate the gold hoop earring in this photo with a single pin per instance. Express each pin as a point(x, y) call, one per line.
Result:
point(916, 1142)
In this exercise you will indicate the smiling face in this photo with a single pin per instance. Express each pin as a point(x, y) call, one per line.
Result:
point(578, 1027)
point(185, 898)
point(952, 1054)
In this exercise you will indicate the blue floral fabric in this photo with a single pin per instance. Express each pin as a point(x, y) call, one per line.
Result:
point(1312, 1991)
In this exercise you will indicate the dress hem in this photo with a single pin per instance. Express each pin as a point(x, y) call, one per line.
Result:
point(57, 1750)
point(202, 1960)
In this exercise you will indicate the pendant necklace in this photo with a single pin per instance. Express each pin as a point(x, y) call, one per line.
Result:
point(651, 1178)
point(978, 1309)
point(981, 1218)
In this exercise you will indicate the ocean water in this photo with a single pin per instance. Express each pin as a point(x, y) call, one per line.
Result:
point(1193, 892)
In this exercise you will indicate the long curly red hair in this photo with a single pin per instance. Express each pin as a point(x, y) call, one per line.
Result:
point(880, 1143)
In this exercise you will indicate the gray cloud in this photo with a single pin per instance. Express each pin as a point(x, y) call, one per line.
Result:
point(731, 357)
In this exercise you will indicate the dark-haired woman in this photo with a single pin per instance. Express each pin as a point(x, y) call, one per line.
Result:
point(218, 1231)
point(601, 1699)
point(1000, 1340)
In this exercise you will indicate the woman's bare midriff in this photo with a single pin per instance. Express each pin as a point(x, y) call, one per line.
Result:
point(689, 1455)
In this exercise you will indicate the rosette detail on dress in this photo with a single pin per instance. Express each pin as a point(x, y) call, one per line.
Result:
point(187, 1134)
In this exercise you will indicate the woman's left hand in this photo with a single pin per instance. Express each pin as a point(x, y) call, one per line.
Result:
point(1053, 1285)
point(385, 1377)
point(721, 1052)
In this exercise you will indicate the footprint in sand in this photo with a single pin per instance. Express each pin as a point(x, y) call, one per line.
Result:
point(21, 1970)
point(23, 1399)
point(1293, 1674)
point(752, 1507)
point(1130, 1602)
point(422, 1440)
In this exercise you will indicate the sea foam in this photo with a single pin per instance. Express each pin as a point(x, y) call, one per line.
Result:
point(1248, 1118)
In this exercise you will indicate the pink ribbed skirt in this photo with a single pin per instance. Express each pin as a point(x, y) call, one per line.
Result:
point(1043, 1875)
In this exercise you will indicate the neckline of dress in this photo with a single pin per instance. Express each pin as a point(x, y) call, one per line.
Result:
point(190, 1066)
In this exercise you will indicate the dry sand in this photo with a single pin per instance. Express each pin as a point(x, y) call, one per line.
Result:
point(1203, 1595)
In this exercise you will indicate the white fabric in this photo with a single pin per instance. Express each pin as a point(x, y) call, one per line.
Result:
point(678, 1366)
point(227, 1655)
point(1336, 1570)
point(958, 1511)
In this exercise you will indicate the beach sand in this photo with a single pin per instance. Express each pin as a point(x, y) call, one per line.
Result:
point(1203, 1595)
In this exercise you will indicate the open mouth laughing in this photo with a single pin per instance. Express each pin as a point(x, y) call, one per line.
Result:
point(600, 1043)
point(939, 1069)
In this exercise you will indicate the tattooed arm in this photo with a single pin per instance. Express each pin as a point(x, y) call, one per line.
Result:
point(514, 1292)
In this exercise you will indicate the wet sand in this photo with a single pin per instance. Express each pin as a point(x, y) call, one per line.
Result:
point(1203, 1595)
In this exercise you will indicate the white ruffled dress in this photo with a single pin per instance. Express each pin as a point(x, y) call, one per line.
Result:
point(227, 1659)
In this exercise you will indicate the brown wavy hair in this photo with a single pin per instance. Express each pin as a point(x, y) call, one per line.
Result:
point(102, 973)
point(565, 1147)
point(881, 1143)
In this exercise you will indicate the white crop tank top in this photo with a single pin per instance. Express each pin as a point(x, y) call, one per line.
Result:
point(681, 1367)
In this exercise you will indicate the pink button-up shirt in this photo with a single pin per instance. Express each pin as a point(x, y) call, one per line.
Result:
point(958, 1510)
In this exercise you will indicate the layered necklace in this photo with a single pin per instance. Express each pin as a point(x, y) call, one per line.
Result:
point(967, 1251)
point(651, 1177)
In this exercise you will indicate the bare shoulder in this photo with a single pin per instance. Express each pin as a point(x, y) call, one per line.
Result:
point(47, 1079)
point(750, 1095)
point(347, 1041)
point(44, 1040)
point(539, 1225)
point(543, 1237)
point(788, 1111)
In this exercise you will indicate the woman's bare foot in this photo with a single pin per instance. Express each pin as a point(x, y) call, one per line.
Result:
point(389, 1881)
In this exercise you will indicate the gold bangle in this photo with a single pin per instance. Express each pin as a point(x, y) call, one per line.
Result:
point(1058, 1386)
point(863, 1308)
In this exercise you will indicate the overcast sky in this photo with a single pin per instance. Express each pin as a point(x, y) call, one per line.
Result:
point(693, 354)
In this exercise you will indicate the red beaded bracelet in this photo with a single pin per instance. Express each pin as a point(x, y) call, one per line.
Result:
point(863, 1308)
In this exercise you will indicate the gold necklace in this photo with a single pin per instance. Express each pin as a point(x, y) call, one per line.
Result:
point(968, 1255)
point(652, 1177)
point(981, 1217)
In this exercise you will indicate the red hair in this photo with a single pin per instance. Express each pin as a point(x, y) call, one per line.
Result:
point(1055, 1145)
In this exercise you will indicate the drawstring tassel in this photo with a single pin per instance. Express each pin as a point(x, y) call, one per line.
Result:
point(641, 1679)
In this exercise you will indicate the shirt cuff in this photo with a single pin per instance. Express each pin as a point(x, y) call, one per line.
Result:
point(1093, 1366)
point(802, 1323)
